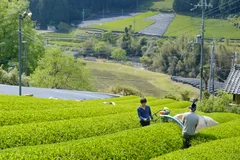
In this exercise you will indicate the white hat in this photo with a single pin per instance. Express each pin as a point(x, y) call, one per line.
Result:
point(166, 108)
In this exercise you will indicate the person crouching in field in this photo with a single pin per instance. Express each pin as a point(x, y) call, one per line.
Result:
point(144, 113)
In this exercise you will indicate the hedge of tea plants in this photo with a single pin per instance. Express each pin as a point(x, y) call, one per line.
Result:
point(93, 110)
point(33, 128)
point(220, 149)
point(154, 140)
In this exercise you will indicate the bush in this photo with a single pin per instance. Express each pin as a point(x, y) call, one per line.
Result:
point(171, 96)
point(11, 77)
point(185, 96)
point(125, 90)
point(219, 103)
point(63, 27)
point(219, 149)
point(128, 144)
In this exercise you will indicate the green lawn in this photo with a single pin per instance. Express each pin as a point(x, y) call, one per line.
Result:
point(214, 28)
point(157, 5)
point(140, 23)
point(150, 83)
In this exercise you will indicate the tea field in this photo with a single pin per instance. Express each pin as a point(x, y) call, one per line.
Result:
point(34, 128)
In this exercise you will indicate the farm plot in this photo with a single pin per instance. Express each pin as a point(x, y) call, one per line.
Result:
point(214, 28)
point(106, 18)
point(160, 26)
point(137, 22)
point(90, 129)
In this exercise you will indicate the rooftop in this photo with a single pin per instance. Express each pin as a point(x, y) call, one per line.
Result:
point(232, 84)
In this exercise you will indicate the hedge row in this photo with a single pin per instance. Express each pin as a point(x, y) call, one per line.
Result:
point(65, 130)
point(223, 117)
point(141, 143)
point(28, 116)
point(225, 130)
point(220, 149)
point(10, 103)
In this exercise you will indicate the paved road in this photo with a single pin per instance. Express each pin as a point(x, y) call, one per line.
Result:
point(55, 93)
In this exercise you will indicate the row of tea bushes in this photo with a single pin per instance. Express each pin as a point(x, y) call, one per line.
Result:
point(65, 130)
point(219, 149)
point(141, 143)
point(29, 116)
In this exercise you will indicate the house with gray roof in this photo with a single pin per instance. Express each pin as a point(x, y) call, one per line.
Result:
point(232, 84)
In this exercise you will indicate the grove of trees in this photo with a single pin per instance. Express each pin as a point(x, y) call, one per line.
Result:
point(9, 12)
point(56, 11)
point(180, 58)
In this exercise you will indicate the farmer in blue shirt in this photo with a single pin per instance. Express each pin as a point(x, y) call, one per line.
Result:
point(144, 113)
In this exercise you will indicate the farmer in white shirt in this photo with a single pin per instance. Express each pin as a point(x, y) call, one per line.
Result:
point(190, 122)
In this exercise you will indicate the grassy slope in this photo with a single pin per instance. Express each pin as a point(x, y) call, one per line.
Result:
point(121, 24)
point(214, 28)
point(150, 83)
point(156, 4)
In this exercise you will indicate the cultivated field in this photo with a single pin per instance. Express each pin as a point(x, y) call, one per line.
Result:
point(34, 128)
point(103, 18)
point(138, 23)
point(214, 28)
point(157, 5)
point(149, 83)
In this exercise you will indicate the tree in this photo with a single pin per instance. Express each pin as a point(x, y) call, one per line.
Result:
point(88, 46)
point(9, 12)
point(108, 37)
point(101, 48)
point(119, 54)
point(126, 42)
point(61, 71)
point(206, 75)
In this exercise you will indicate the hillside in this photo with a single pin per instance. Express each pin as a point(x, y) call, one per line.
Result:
point(190, 25)
point(33, 128)
point(150, 83)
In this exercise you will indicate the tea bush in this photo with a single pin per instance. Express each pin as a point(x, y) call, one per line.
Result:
point(220, 149)
point(154, 140)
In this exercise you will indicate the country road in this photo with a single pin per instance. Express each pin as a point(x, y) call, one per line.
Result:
point(55, 93)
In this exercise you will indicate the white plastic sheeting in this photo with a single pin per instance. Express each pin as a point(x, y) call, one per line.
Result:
point(204, 121)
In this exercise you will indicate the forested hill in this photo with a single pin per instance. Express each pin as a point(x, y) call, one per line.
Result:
point(54, 11)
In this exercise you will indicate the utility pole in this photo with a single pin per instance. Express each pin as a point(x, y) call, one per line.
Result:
point(134, 23)
point(20, 17)
point(236, 57)
point(83, 14)
point(103, 13)
point(211, 82)
point(203, 6)
point(24, 64)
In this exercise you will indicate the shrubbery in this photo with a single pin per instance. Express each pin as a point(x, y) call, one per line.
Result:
point(219, 149)
point(11, 77)
point(125, 90)
point(219, 103)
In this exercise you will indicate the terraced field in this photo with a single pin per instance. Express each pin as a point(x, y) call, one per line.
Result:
point(33, 128)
